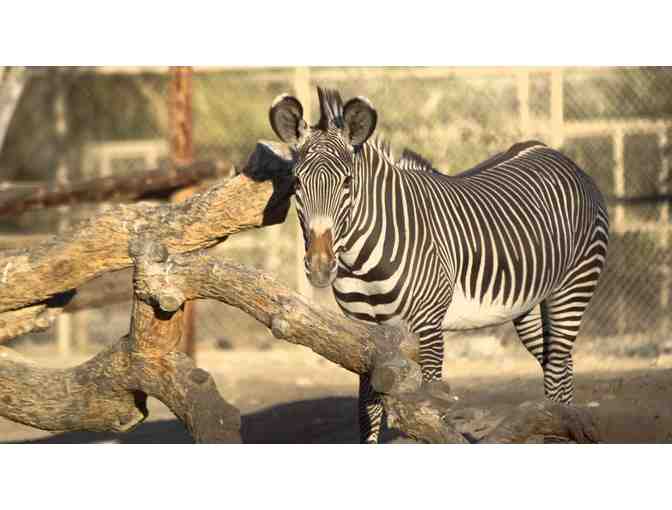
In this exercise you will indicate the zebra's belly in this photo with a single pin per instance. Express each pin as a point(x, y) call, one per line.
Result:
point(466, 312)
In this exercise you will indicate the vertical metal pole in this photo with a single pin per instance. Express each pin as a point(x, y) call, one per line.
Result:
point(64, 321)
point(182, 153)
point(557, 109)
point(302, 91)
point(664, 239)
point(619, 216)
point(619, 178)
point(523, 93)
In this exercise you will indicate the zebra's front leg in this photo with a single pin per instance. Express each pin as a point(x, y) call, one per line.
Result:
point(370, 411)
point(431, 355)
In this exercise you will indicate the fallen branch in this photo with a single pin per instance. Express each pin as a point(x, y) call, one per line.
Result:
point(33, 318)
point(109, 391)
point(100, 244)
point(424, 412)
point(147, 185)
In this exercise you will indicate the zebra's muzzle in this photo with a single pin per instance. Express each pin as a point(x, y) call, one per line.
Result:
point(320, 261)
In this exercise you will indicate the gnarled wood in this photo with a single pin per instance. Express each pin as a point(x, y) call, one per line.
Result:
point(424, 412)
point(100, 244)
point(289, 316)
point(109, 392)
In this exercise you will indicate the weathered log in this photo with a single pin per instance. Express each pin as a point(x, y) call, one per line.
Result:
point(148, 185)
point(288, 315)
point(546, 419)
point(109, 391)
point(100, 244)
point(91, 396)
point(25, 320)
point(33, 318)
point(421, 411)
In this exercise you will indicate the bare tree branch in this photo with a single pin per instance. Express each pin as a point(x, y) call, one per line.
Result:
point(100, 244)
point(109, 392)
point(151, 184)
point(423, 412)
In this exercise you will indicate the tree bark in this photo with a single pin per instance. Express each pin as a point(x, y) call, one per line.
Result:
point(425, 412)
point(109, 392)
point(98, 245)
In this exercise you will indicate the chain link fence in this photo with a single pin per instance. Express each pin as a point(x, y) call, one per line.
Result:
point(615, 122)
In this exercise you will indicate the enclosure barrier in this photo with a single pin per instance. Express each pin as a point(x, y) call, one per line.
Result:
point(164, 244)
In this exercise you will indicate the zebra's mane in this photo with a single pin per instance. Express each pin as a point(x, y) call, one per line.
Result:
point(382, 147)
point(411, 160)
point(331, 109)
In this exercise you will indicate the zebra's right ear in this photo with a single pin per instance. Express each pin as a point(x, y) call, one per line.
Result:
point(286, 116)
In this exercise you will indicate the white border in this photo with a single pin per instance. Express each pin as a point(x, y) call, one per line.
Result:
point(335, 33)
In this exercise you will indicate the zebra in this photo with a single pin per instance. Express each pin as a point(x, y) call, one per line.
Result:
point(521, 237)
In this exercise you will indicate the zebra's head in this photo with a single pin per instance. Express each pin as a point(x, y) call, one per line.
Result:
point(324, 158)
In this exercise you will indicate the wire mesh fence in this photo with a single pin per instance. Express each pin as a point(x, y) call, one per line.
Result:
point(615, 122)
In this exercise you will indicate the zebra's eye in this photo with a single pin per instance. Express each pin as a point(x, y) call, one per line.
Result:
point(346, 181)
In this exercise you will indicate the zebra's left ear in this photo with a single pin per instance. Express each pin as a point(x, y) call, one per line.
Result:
point(360, 120)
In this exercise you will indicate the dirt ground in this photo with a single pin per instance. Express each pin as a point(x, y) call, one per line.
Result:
point(288, 394)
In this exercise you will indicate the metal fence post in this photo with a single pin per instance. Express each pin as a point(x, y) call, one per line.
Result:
point(557, 108)
point(65, 323)
point(619, 214)
point(523, 94)
point(664, 235)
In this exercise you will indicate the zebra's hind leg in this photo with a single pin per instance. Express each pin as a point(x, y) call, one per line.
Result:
point(546, 336)
point(370, 411)
point(548, 330)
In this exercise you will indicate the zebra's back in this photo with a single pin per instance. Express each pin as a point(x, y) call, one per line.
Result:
point(515, 226)
point(501, 236)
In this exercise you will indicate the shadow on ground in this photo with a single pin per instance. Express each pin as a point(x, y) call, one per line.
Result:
point(631, 407)
point(324, 420)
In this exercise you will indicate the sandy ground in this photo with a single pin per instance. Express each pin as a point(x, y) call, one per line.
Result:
point(290, 395)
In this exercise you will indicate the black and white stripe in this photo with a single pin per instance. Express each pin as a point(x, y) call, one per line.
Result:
point(521, 237)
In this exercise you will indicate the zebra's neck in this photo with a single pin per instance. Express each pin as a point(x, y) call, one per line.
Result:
point(375, 192)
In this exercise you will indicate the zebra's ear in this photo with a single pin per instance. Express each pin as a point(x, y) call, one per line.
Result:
point(360, 120)
point(286, 116)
